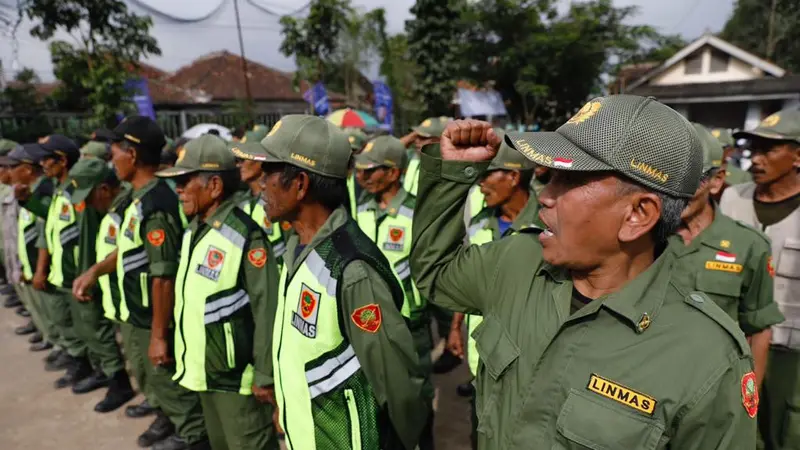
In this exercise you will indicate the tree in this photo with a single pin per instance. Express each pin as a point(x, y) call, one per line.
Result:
point(767, 28)
point(110, 42)
point(23, 101)
point(401, 74)
point(435, 43)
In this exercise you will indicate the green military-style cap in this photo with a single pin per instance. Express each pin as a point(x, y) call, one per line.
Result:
point(634, 136)
point(724, 136)
point(783, 125)
point(256, 134)
point(6, 145)
point(383, 151)
point(432, 126)
point(94, 149)
point(250, 150)
point(207, 153)
point(712, 148)
point(509, 159)
point(356, 137)
point(308, 142)
point(85, 175)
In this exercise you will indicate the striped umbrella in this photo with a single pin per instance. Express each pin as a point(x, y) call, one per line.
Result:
point(352, 118)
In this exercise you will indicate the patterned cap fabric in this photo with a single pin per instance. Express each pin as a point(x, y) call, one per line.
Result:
point(783, 125)
point(207, 153)
point(308, 142)
point(432, 126)
point(634, 136)
point(712, 148)
point(383, 151)
point(724, 136)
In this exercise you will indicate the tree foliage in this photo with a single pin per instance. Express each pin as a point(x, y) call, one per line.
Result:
point(767, 28)
point(435, 43)
point(22, 100)
point(401, 74)
point(109, 41)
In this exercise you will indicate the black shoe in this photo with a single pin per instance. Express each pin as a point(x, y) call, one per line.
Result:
point(62, 361)
point(446, 363)
point(160, 429)
point(119, 392)
point(25, 329)
point(21, 311)
point(176, 442)
point(36, 338)
point(79, 370)
point(12, 302)
point(465, 390)
point(41, 346)
point(94, 381)
point(141, 410)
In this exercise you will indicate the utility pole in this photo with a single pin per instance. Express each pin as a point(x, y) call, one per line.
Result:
point(244, 61)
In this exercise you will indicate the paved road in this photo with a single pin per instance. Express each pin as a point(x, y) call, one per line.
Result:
point(35, 416)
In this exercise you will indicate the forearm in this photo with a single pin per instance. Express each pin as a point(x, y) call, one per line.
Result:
point(106, 266)
point(163, 306)
point(759, 345)
point(458, 321)
point(43, 263)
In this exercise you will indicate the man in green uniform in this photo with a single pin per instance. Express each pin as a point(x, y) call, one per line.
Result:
point(146, 263)
point(510, 207)
point(57, 263)
point(772, 204)
point(95, 187)
point(385, 213)
point(357, 139)
point(11, 300)
point(726, 259)
point(9, 210)
point(585, 341)
point(346, 373)
point(733, 174)
point(225, 298)
point(250, 200)
point(32, 188)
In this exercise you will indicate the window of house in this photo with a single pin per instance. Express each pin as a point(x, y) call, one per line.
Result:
point(719, 61)
point(694, 64)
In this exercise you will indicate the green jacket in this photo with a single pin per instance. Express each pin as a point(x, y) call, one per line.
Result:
point(729, 262)
point(613, 375)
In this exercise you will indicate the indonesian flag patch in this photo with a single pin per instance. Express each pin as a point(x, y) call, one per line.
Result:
point(750, 394)
point(368, 318)
point(562, 162)
point(725, 257)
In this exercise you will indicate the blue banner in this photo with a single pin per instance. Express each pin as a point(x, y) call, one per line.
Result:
point(318, 97)
point(383, 104)
point(140, 95)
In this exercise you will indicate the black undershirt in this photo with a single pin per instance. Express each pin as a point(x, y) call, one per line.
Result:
point(774, 212)
point(578, 301)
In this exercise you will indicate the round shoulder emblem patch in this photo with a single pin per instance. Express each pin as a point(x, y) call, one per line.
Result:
point(156, 237)
point(368, 318)
point(257, 257)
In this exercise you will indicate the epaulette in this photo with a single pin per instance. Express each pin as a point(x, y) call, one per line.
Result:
point(702, 302)
point(756, 231)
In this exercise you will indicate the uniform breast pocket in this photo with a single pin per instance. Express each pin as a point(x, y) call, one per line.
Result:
point(590, 421)
point(723, 287)
point(498, 353)
point(789, 259)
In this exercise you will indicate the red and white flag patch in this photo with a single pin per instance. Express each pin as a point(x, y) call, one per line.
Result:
point(562, 162)
point(725, 257)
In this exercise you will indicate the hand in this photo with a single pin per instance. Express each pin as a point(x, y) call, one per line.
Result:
point(21, 192)
point(264, 394)
point(158, 351)
point(40, 281)
point(455, 342)
point(83, 285)
point(469, 140)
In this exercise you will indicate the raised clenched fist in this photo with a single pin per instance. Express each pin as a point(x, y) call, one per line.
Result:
point(469, 140)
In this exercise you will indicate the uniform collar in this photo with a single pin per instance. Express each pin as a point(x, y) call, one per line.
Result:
point(337, 219)
point(393, 208)
point(527, 218)
point(223, 211)
point(38, 183)
point(637, 303)
point(139, 193)
point(712, 236)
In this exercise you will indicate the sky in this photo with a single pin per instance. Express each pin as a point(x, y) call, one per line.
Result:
point(188, 29)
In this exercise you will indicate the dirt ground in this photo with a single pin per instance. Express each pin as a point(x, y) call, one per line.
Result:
point(36, 416)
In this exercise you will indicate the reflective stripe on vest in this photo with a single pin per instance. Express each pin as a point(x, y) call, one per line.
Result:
point(105, 244)
point(351, 193)
point(393, 237)
point(26, 235)
point(411, 178)
point(478, 234)
point(60, 231)
point(273, 230)
point(207, 294)
point(131, 258)
point(314, 364)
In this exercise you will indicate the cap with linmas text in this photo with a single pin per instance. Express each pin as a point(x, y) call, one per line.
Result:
point(634, 136)
point(207, 153)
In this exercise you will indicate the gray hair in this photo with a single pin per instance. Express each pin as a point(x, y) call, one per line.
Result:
point(671, 209)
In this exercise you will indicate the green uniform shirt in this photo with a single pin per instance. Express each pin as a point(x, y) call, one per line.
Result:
point(163, 258)
point(648, 367)
point(729, 261)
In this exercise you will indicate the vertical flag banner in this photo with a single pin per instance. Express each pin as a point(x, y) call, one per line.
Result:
point(318, 97)
point(383, 104)
point(140, 96)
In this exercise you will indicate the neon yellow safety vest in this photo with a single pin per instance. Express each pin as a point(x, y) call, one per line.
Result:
point(392, 234)
point(61, 232)
point(213, 335)
point(411, 179)
point(273, 230)
point(105, 244)
point(26, 240)
point(351, 193)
